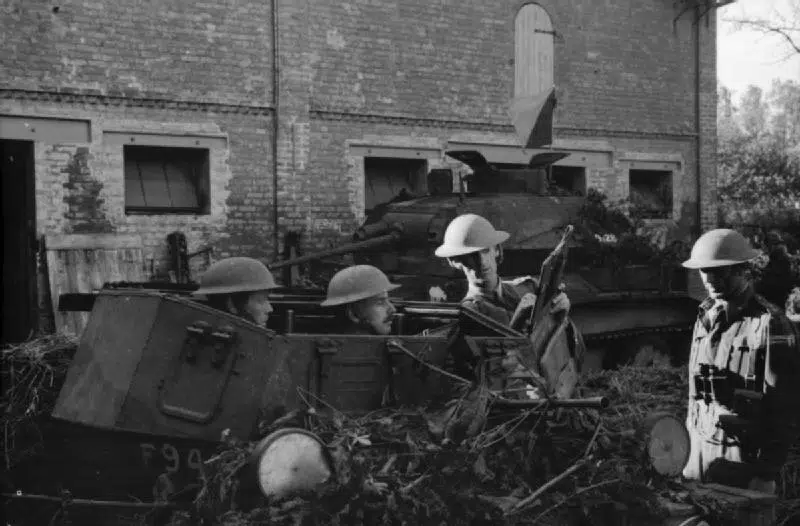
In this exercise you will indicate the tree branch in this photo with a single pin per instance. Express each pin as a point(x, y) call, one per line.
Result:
point(765, 27)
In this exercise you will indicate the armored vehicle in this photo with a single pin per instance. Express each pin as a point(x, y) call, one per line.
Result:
point(158, 379)
point(635, 313)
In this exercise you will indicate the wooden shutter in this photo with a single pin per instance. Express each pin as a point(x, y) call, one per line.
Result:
point(533, 51)
point(163, 178)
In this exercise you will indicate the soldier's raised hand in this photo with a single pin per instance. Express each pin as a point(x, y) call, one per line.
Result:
point(560, 303)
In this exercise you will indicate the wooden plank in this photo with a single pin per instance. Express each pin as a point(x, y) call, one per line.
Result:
point(533, 51)
point(83, 263)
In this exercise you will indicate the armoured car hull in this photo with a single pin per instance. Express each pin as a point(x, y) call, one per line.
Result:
point(159, 379)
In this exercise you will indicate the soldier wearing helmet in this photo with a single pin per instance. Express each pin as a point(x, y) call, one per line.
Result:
point(744, 365)
point(472, 245)
point(361, 293)
point(239, 286)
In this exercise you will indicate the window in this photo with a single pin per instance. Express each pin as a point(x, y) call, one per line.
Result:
point(651, 193)
point(533, 51)
point(440, 181)
point(386, 179)
point(166, 180)
point(570, 178)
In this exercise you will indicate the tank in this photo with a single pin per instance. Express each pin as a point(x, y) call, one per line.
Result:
point(640, 314)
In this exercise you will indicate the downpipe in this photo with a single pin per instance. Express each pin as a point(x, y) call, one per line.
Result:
point(275, 127)
point(698, 141)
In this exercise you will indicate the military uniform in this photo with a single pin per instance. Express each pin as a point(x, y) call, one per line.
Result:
point(502, 302)
point(750, 345)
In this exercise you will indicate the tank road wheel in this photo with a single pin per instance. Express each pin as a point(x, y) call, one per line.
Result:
point(647, 350)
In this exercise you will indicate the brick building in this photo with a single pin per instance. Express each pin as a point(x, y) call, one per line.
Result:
point(236, 122)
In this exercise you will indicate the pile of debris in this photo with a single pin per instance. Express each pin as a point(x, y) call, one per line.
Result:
point(396, 466)
point(31, 374)
point(551, 466)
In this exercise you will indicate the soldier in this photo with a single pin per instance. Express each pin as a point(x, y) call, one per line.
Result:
point(473, 246)
point(239, 286)
point(744, 392)
point(362, 294)
point(776, 280)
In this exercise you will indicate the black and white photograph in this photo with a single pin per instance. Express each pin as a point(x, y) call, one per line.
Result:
point(400, 263)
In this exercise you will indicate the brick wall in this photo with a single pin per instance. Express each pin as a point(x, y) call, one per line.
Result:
point(708, 125)
point(425, 73)
point(618, 65)
point(328, 203)
point(178, 68)
point(80, 187)
point(417, 73)
point(181, 49)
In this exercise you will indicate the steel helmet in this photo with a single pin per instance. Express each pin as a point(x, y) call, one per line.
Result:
point(237, 274)
point(469, 233)
point(356, 283)
point(720, 248)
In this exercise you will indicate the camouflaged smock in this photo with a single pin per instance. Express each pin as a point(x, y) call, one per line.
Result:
point(759, 343)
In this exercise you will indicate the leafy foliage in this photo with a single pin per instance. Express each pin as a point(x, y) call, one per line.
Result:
point(615, 235)
point(759, 157)
point(391, 468)
point(759, 180)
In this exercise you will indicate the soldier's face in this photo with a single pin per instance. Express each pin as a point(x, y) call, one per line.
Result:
point(724, 283)
point(480, 268)
point(375, 313)
point(258, 307)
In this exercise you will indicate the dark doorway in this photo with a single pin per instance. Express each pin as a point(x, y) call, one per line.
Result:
point(19, 236)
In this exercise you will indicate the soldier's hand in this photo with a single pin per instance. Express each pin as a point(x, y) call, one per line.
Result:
point(437, 294)
point(560, 303)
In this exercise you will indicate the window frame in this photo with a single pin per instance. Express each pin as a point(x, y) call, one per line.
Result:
point(583, 176)
point(668, 211)
point(422, 178)
point(199, 160)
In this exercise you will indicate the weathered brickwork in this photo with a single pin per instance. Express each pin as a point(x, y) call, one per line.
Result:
point(177, 69)
point(184, 50)
point(618, 65)
point(80, 187)
point(625, 75)
point(325, 209)
point(414, 74)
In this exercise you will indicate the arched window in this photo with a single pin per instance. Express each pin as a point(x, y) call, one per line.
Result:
point(533, 51)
